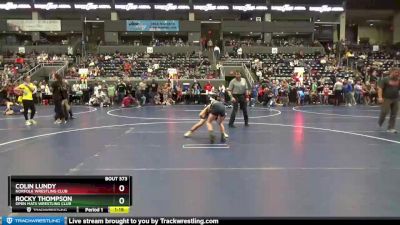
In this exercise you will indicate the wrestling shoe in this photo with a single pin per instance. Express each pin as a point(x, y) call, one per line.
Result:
point(212, 137)
point(393, 131)
point(188, 134)
point(33, 122)
point(28, 123)
point(224, 137)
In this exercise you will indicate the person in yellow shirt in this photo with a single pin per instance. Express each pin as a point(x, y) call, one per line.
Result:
point(28, 89)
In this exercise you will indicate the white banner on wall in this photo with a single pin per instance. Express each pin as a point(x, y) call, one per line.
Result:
point(70, 50)
point(150, 50)
point(375, 48)
point(274, 50)
point(34, 25)
point(21, 50)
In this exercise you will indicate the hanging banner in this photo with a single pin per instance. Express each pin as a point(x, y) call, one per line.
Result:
point(34, 25)
point(152, 25)
point(274, 50)
point(70, 50)
point(375, 48)
point(84, 71)
point(173, 73)
point(21, 50)
point(150, 50)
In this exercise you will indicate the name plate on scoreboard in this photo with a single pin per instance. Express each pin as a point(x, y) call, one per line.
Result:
point(75, 194)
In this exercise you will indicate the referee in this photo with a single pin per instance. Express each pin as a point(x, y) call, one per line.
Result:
point(237, 90)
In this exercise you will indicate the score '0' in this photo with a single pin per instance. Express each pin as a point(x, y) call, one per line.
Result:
point(121, 188)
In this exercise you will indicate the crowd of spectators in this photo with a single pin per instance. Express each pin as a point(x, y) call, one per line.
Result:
point(314, 91)
point(283, 79)
point(127, 93)
point(146, 66)
point(321, 79)
point(275, 42)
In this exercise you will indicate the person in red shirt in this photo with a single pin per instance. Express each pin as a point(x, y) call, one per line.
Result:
point(127, 67)
point(129, 101)
point(208, 87)
point(14, 70)
point(19, 60)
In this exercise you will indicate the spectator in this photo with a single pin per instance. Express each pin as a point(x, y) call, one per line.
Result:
point(157, 99)
point(358, 92)
point(129, 101)
point(373, 95)
point(210, 45)
point(153, 87)
point(338, 89)
point(208, 87)
point(217, 52)
point(300, 96)
point(121, 89)
point(240, 52)
point(347, 90)
point(326, 94)
point(111, 93)
point(58, 96)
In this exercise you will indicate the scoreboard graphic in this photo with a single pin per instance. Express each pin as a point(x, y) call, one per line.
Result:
point(70, 194)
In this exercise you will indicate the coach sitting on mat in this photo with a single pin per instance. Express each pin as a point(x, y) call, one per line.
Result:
point(237, 90)
point(388, 95)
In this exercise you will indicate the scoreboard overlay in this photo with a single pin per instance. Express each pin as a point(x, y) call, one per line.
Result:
point(70, 194)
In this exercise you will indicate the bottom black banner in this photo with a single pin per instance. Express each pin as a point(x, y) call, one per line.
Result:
point(206, 221)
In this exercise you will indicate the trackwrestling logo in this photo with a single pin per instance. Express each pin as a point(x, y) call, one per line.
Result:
point(8, 220)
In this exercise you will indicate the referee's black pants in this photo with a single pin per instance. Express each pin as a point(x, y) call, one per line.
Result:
point(240, 99)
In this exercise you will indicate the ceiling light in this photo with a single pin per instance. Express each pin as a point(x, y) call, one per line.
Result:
point(131, 6)
point(50, 6)
point(210, 7)
point(260, 7)
point(326, 8)
point(171, 6)
point(245, 8)
point(287, 8)
point(91, 6)
point(11, 5)
point(299, 8)
point(337, 9)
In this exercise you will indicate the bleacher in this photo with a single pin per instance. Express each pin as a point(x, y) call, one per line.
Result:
point(379, 60)
point(282, 66)
point(111, 66)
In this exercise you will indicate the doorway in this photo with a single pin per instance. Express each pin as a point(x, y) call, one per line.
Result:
point(94, 34)
point(211, 30)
